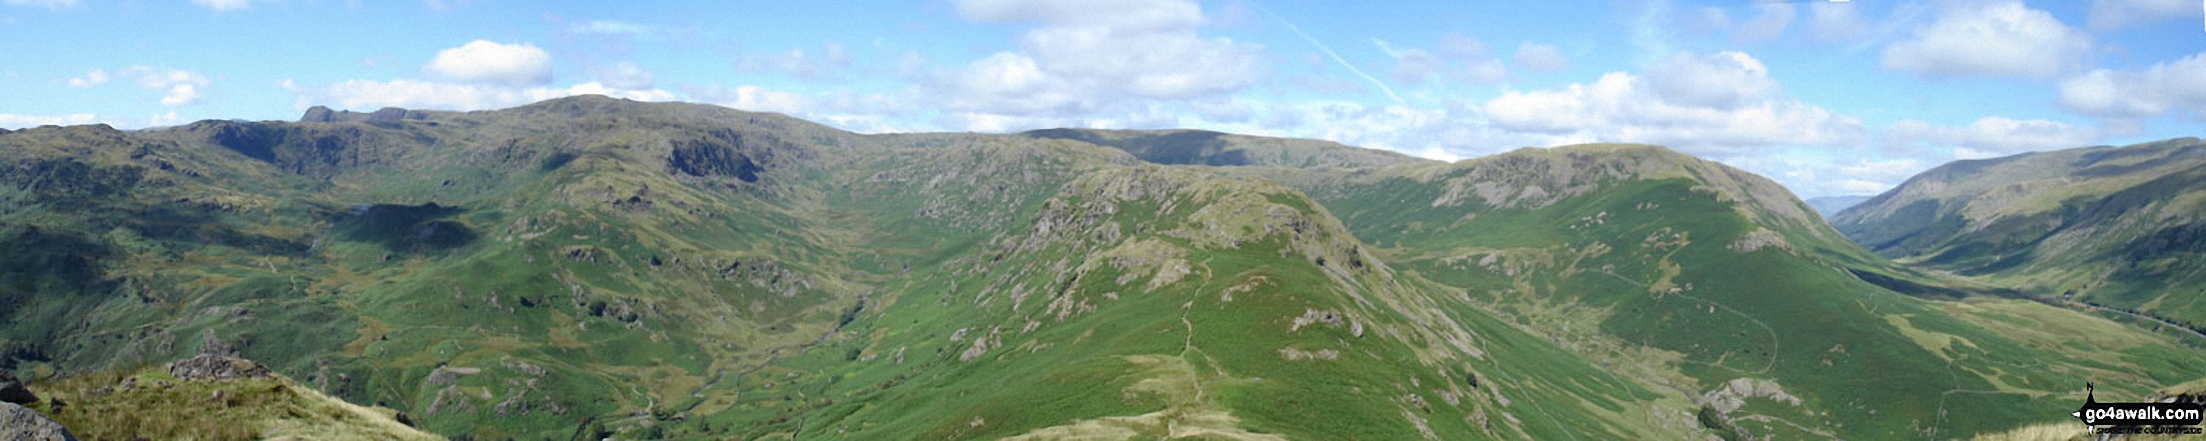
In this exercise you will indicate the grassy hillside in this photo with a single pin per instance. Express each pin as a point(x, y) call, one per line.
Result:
point(1656, 262)
point(2122, 227)
point(155, 403)
point(590, 267)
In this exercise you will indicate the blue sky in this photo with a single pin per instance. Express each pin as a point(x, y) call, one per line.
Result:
point(1827, 98)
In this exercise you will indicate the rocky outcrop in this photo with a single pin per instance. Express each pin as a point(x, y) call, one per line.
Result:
point(210, 367)
point(319, 114)
point(23, 424)
point(11, 390)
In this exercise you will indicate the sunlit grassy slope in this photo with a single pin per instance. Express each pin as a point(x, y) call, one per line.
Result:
point(152, 404)
point(590, 267)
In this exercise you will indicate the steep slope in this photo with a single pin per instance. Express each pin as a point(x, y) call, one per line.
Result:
point(1724, 287)
point(2117, 226)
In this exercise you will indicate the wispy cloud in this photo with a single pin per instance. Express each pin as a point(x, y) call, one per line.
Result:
point(1328, 50)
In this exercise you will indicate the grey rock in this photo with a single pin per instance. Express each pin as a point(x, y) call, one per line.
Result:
point(210, 367)
point(23, 424)
point(387, 114)
point(212, 344)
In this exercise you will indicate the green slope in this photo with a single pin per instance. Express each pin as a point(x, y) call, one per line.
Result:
point(2117, 226)
point(1155, 301)
point(590, 267)
point(1623, 251)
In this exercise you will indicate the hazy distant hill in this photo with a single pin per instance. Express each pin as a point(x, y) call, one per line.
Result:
point(2119, 226)
point(1831, 205)
point(590, 267)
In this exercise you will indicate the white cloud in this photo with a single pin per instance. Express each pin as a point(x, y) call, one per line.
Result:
point(1010, 83)
point(91, 78)
point(1885, 168)
point(179, 87)
point(756, 99)
point(1717, 104)
point(1858, 186)
point(483, 61)
point(1461, 47)
point(1541, 58)
point(416, 94)
point(412, 94)
point(597, 88)
point(444, 5)
point(1131, 15)
point(1411, 66)
point(612, 27)
point(1990, 39)
point(1775, 18)
point(1723, 81)
point(1415, 66)
point(1453, 129)
point(1486, 72)
point(1822, 171)
point(2179, 84)
point(911, 63)
point(1091, 60)
point(166, 119)
point(1993, 135)
point(1713, 18)
point(15, 121)
point(625, 75)
point(1836, 21)
point(1167, 63)
point(49, 4)
point(2107, 15)
point(835, 54)
point(1965, 153)
point(224, 5)
point(799, 62)
point(180, 94)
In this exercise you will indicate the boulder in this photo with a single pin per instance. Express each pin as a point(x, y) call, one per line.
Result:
point(210, 367)
point(12, 391)
point(23, 424)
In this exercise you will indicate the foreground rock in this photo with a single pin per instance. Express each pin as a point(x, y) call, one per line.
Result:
point(23, 424)
point(11, 390)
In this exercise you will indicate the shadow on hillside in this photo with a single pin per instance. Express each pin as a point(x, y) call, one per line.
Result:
point(1918, 289)
point(46, 261)
point(405, 228)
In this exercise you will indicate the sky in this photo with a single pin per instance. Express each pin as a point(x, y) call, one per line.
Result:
point(1827, 98)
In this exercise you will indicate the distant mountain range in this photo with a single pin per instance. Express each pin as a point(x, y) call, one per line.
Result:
point(590, 267)
point(1831, 205)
